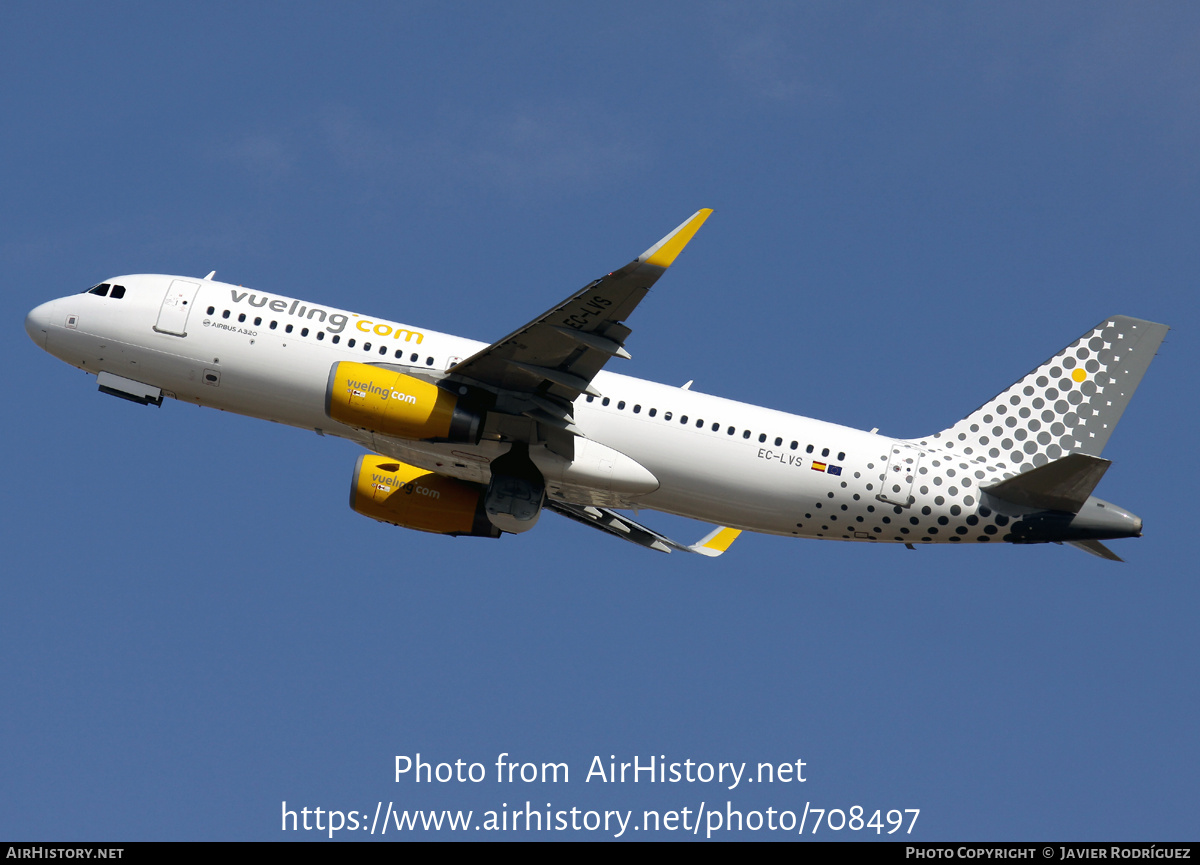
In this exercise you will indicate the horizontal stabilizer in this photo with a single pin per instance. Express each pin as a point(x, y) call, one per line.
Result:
point(1063, 485)
point(1096, 549)
point(711, 545)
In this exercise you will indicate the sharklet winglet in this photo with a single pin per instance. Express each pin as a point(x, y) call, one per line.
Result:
point(663, 253)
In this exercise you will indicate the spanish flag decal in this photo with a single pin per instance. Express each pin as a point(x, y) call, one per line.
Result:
point(818, 467)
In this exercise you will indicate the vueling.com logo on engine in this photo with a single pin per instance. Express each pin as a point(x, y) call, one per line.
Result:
point(362, 388)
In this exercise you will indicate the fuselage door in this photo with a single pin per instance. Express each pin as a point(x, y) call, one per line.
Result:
point(173, 314)
point(899, 475)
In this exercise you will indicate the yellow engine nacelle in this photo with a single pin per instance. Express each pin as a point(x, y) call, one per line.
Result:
point(394, 492)
point(389, 402)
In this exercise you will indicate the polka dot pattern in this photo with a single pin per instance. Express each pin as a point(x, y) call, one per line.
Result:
point(931, 490)
point(1069, 404)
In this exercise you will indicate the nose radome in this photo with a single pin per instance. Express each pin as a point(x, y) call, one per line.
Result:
point(37, 323)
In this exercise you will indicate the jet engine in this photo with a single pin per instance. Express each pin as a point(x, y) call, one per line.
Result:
point(393, 492)
point(392, 403)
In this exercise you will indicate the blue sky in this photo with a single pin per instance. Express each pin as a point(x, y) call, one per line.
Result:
point(914, 204)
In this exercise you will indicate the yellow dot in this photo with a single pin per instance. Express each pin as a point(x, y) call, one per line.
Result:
point(1079, 374)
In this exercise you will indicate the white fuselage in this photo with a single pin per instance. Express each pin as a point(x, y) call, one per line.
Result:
point(714, 459)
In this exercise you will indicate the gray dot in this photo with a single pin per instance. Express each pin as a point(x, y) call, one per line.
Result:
point(1016, 456)
point(1030, 447)
point(1043, 438)
point(1054, 452)
point(1040, 459)
point(1069, 362)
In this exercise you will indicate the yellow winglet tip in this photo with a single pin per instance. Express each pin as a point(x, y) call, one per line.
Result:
point(717, 541)
point(663, 253)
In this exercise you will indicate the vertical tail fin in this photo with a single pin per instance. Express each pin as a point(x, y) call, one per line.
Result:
point(1069, 404)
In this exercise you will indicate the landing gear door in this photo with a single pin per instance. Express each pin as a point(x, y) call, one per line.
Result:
point(173, 314)
point(899, 475)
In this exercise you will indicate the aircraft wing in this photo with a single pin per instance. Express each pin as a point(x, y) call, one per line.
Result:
point(554, 357)
point(712, 544)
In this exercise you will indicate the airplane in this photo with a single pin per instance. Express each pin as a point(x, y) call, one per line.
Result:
point(471, 439)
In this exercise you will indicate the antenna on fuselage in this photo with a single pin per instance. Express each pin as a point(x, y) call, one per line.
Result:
point(211, 274)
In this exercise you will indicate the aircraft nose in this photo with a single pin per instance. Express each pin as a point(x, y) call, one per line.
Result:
point(37, 323)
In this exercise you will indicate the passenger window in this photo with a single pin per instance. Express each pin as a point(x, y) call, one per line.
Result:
point(225, 314)
point(257, 321)
point(778, 441)
point(413, 359)
point(304, 332)
point(841, 456)
point(591, 398)
point(666, 415)
point(274, 324)
point(211, 310)
point(428, 361)
point(605, 401)
point(795, 445)
point(320, 334)
point(621, 405)
point(399, 354)
point(653, 412)
point(637, 408)
point(241, 317)
point(366, 346)
point(383, 349)
point(808, 449)
point(746, 434)
point(716, 427)
point(287, 329)
point(762, 437)
point(350, 342)
point(731, 430)
point(683, 419)
point(825, 452)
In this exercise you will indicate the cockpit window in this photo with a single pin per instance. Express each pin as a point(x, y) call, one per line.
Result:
point(101, 289)
point(118, 291)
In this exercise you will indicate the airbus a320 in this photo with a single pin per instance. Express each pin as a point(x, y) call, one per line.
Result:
point(466, 438)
